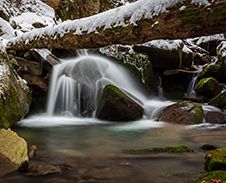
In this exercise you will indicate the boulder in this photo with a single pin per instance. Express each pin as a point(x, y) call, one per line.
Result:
point(167, 54)
point(114, 105)
point(215, 160)
point(208, 87)
point(215, 117)
point(15, 94)
point(182, 113)
point(219, 100)
point(218, 176)
point(13, 147)
point(212, 70)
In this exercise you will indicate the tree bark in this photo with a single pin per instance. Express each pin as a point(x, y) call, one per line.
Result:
point(193, 21)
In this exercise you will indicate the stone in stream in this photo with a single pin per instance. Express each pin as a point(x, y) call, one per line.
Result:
point(208, 87)
point(218, 176)
point(215, 117)
point(13, 147)
point(219, 100)
point(215, 160)
point(114, 105)
point(183, 113)
point(212, 70)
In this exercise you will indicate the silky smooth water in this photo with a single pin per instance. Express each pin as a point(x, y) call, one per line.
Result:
point(98, 147)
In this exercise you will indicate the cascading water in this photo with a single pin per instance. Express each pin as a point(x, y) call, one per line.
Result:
point(76, 82)
point(192, 84)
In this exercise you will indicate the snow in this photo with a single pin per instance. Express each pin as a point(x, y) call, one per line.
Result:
point(25, 21)
point(167, 45)
point(44, 53)
point(6, 30)
point(109, 19)
point(182, 8)
point(221, 49)
point(16, 8)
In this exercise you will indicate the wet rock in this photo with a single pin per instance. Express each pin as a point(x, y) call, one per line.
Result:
point(36, 80)
point(208, 87)
point(215, 160)
point(219, 100)
point(215, 117)
point(170, 149)
point(218, 176)
point(182, 113)
point(208, 147)
point(212, 70)
point(24, 166)
point(13, 147)
point(32, 151)
point(114, 105)
point(198, 98)
point(15, 94)
point(31, 67)
point(167, 54)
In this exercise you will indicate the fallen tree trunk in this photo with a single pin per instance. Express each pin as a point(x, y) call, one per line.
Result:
point(174, 19)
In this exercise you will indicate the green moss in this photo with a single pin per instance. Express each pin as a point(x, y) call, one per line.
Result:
point(208, 147)
point(215, 159)
point(191, 16)
point(170, 149)
point(214, 71)
point(219, 100)
point(218, 176)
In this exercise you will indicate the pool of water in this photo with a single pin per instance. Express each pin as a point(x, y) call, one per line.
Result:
point(98, 149)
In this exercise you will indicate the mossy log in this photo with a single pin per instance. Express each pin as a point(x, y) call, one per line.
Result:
point(193, 21)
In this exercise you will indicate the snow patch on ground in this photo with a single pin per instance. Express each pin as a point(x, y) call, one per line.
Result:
point(6, 30)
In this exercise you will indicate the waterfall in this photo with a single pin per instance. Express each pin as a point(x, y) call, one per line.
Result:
point(192, 85)
point(75, 84)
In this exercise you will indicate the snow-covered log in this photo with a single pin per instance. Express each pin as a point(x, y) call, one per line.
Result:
point(137, 22)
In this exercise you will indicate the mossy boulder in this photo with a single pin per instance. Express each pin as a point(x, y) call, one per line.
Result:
point(13, 147)
point(208, 87)
point(219, 100)
point(218, 176)
point(170, 149)
point(212, 70)
point(114, 105)
point(215, 160)
point(183, 113)
point(15, 94)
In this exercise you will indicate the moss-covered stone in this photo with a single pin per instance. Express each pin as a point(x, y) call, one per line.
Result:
point(208, 87)
point(219, 100)
point(182, 113)
point(114, 105)
point(218, 176)
point(215, 159)
point(170, 149)
point(12, 147)
point(15, 94)
point(212, 70)
point(208, 147)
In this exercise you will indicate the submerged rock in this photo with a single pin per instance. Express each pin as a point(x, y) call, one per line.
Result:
point(219, 100)
point(218, 176)
point(15, 94)
point(114, 105)
point(170, 149)
point(182, 113)
point(208, 87)
point(215, 159)
point(13, 147)
point(208, 147)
